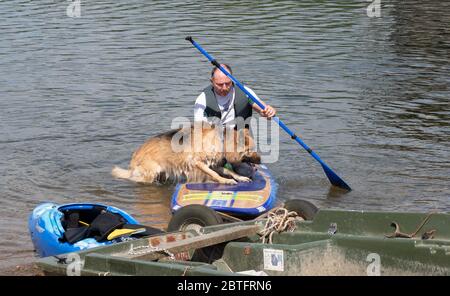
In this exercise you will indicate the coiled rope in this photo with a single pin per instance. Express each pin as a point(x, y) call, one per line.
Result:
point(278, 220)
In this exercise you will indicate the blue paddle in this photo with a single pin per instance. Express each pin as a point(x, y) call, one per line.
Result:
point(332, 176)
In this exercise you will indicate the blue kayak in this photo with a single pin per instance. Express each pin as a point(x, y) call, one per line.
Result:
point(57, 229)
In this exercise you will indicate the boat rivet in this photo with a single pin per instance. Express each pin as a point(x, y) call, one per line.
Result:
point(155, 241)
point(247, 250)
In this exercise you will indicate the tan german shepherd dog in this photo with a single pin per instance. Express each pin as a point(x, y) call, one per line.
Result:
point(198, 155)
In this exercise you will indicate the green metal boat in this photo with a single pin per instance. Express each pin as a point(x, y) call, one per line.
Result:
point(335, 242)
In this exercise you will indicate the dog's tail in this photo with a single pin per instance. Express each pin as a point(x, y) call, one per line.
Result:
point(121, 173)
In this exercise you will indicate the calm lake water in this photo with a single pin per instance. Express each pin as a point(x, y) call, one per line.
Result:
point(78, 95)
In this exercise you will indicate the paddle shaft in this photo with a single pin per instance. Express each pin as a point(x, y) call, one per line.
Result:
point(334, 179)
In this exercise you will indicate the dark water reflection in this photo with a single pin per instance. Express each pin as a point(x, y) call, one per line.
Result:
point(78, 95)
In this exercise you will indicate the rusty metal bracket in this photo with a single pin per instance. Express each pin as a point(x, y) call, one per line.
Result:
point(397, 233)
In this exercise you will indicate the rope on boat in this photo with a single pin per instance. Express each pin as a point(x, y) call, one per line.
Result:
point(144, 250)
point(278, 220)
point(186, 269)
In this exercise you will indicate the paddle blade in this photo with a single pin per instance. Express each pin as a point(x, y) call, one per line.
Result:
point(335, 179)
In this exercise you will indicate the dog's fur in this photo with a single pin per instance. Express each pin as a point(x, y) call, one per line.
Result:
point(156, 161)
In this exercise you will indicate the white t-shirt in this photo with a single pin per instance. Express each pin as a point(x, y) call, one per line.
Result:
point(226, 106)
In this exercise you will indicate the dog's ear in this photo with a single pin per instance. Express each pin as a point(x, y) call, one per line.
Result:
point(253, 157)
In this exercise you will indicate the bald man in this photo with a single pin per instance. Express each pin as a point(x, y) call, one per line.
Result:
point(224, 102)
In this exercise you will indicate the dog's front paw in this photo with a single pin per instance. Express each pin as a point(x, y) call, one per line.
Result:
point(243, 179)
point(228, 181)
